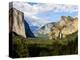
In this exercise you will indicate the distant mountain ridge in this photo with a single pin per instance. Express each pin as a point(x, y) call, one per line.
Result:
point(67, 25)
point(45, 30)
point(35, 23)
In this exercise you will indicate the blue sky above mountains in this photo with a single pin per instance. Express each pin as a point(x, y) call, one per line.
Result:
point(42, 13)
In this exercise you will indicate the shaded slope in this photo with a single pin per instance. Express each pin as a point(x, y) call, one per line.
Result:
point(27, 29)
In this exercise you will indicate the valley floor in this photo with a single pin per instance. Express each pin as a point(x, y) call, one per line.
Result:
point(35, 47)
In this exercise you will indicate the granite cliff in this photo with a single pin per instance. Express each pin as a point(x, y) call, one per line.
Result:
point(16, 22)
point(18, 25)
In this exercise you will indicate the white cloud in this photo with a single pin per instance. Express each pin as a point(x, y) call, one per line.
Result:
point(35, 21)
point(34, 9)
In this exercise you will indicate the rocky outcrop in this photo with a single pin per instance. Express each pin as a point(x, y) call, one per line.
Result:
point(66, 26)
point(16, 22)
point(71, 25)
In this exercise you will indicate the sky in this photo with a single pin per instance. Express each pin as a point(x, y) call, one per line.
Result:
point(42, 13)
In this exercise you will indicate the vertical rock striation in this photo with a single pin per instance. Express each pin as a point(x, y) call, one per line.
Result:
point(16, 22)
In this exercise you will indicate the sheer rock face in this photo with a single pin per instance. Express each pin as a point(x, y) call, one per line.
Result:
point(16, 22)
